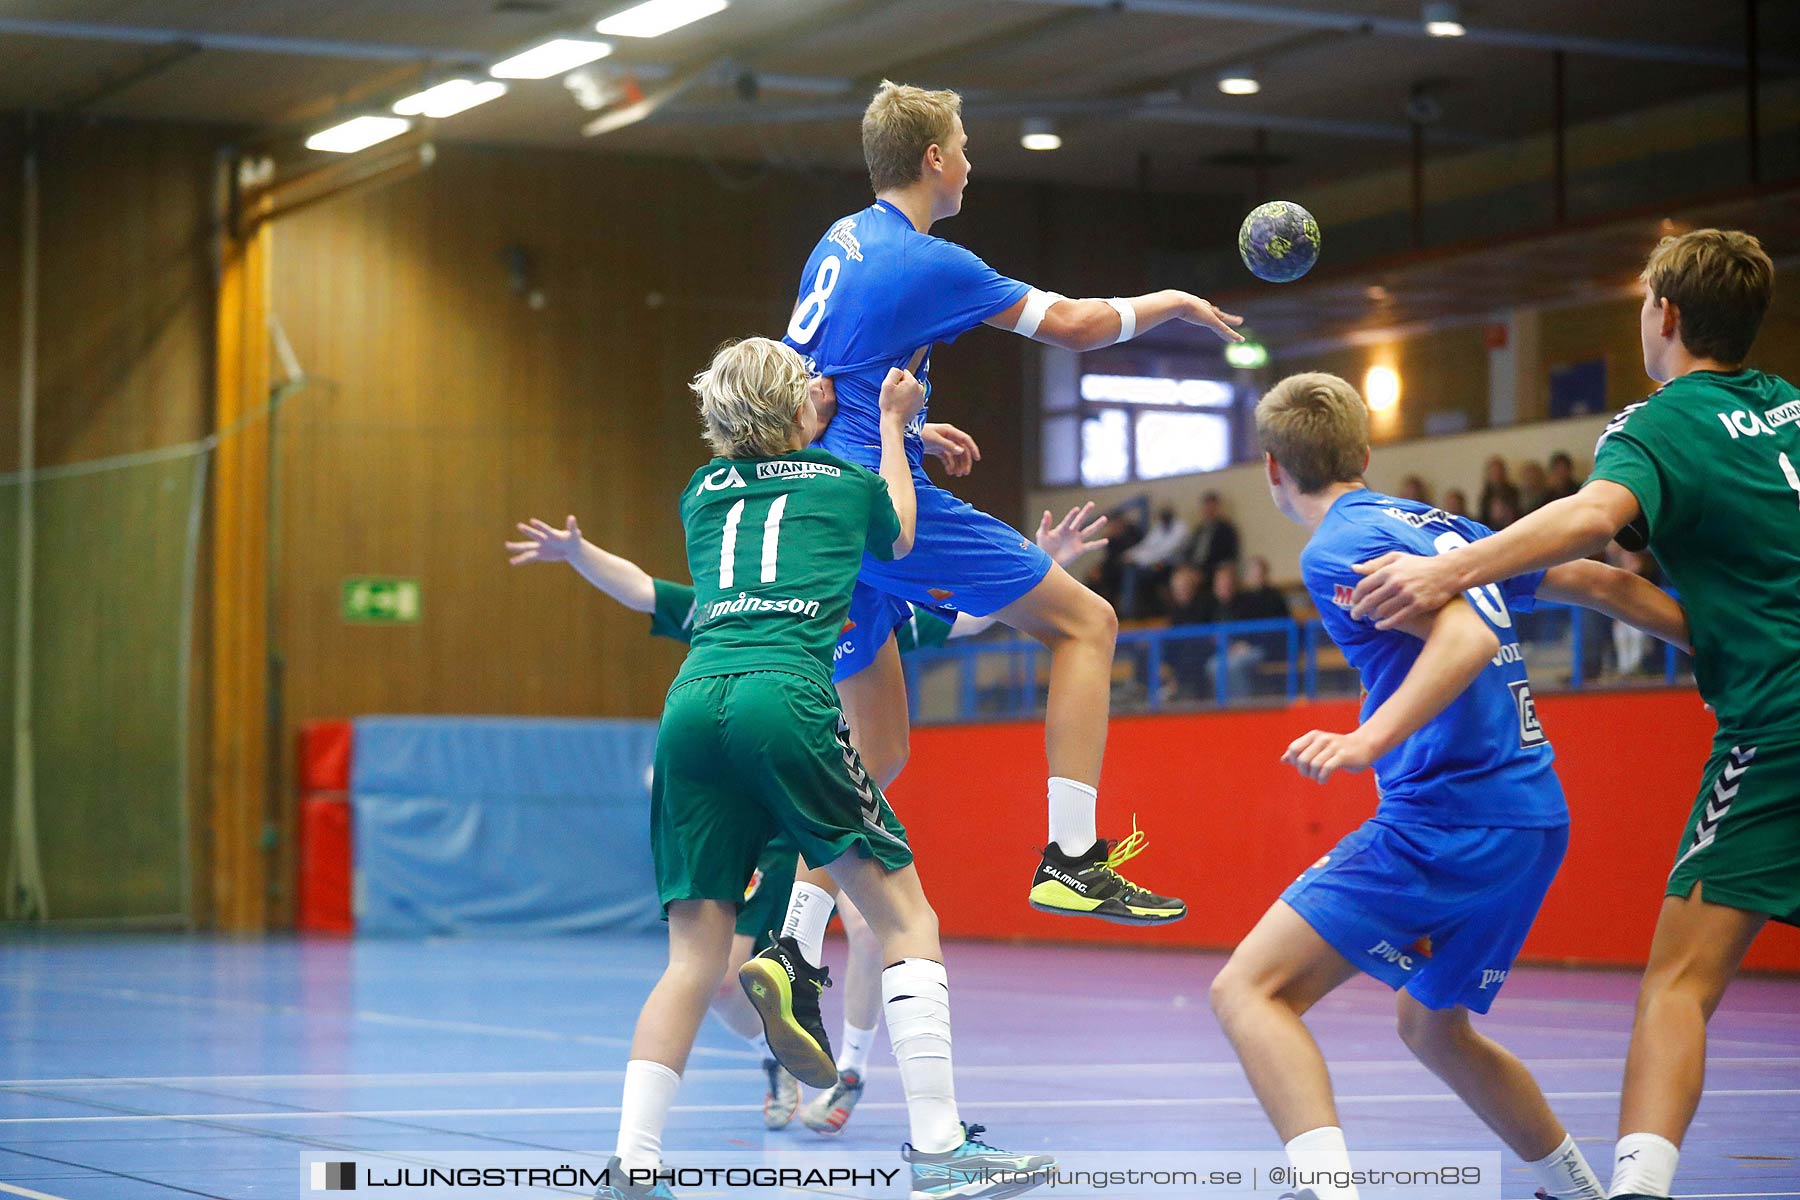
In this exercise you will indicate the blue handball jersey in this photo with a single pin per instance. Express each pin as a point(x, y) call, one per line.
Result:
point(1484, 760)
point(875, 293)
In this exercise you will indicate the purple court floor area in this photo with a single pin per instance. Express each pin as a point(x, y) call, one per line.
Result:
point(149, 1067)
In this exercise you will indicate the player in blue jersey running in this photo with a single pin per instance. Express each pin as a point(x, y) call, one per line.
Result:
point(1434, 895)
point(877, 293)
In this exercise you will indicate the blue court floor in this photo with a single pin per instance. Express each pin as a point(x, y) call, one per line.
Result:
point(148, 1067)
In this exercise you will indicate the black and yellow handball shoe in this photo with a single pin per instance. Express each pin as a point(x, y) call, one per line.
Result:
point(785, 989)
point(1089, 885)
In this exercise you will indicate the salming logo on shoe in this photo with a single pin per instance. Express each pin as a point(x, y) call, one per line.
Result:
point(1068, 880)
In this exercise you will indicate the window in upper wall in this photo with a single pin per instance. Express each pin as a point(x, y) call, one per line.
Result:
point(1133, 424)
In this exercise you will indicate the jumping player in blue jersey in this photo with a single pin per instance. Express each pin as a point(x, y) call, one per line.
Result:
point(878, 292)
point(1434, 895)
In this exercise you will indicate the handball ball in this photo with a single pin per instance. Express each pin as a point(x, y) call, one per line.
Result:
point(1279, 241)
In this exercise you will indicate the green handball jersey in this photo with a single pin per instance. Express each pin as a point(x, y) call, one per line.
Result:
point(774, 546)
point(673, 618)
point(1714, 461)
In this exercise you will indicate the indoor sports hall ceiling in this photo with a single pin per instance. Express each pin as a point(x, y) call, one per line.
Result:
point(1131, 84)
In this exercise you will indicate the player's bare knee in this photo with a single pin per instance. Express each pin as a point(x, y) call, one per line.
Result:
point(886, 760)
point(1230, 993)
point(1431, 1036)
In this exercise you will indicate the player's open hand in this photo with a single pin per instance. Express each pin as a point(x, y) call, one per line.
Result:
point(1398, 587)
point(1071, 537)
point(545, 543)
point(1317, 754)
point(956, 448)
point(1204, 312)
point(901, 395)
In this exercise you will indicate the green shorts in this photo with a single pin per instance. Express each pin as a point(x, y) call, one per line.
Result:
point(1742, 840)
point(741, 758)
point(766, 899)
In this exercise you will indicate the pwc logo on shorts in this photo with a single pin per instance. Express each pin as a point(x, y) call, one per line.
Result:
point(1531, 732)
point(1492, 978)
point(1387, 952)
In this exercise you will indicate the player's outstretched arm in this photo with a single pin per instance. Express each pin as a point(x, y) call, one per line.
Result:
point(1400, 587)
point(1621, 596)
point(1458, 645)
point(1057, 320)
point(619, 578)
point(902, 397)
point(1064, 542)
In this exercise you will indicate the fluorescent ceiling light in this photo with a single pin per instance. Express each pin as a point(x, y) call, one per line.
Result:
point(1040, 134)
point(1443, 20)
point(653, 18)
point(1239, 81)
point(358, 133)
point(555, 57)
point(450, 97)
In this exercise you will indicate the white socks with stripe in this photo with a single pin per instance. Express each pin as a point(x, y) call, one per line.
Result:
point(1644, 1165)
point(1072, 815)
point(853, 1050)
point(649, 1091)
point(1322, 1150)
point(809, 912)
point(915, 995)
point(1565, 1174)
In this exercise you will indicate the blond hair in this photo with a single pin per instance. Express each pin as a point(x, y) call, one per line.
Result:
point(751, 398)
point(900, 124)
point(1720, 281)
point(1317, 427)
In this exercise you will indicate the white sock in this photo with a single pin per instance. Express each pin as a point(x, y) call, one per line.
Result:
point(1323, 1149)
point(853, 1051)
point(1072, 815)
point(1644, 1165)
point(760, 1044)
point(809, 911)
point(915, 995)
point(649, 1091)
point(1565, 1174)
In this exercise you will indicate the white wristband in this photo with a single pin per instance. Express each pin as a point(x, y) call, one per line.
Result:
point(1127, 319)
point(1036, 305)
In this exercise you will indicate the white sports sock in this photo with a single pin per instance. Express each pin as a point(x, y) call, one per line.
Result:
point(853, 1052)
point(1072, 815)
point(649, 1091)
point(1644, 1164)
point(1565, 1174)
point(1323, 1150)
point(809, 911)
point(915, 995)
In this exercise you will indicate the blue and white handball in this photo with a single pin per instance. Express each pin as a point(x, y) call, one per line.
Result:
point(1279, 241)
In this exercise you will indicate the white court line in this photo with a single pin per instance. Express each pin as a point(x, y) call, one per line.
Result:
point(898, 1105)
point(459, 1078)
point(10, 1190)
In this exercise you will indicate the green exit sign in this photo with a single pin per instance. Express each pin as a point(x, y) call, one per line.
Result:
point(381, 600)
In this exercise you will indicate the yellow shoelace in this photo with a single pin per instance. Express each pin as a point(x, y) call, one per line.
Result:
point(1127, 848)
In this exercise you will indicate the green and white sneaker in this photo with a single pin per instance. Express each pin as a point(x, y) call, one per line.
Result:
point(829, 1112)
point(782, 1100)
point(620, 1186)
point(975, 1169)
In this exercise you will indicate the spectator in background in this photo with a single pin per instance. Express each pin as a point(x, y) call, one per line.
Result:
point(1189, 604)
point(1126, 532)
point(1215, 540)
point(1501, 512)
point(1456, 503)
point(1262, 601)
point(1147, 564)
point(1496, 486)
point(1534, 488)
point(1414, 488)
point(1561, 482)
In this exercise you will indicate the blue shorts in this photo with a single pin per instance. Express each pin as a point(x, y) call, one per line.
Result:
point(962, 560)
point(1437, 910)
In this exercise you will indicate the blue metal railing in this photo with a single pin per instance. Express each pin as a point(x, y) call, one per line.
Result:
point(1239, 662)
